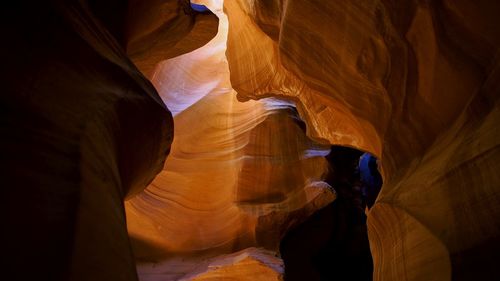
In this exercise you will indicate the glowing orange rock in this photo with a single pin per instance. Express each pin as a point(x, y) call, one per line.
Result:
point(415, 84)
point(238, 174)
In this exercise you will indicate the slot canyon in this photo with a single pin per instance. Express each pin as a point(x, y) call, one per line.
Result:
point(158, 140)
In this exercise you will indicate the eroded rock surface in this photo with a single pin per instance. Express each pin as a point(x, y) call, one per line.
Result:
point(159, 30)
point(414, 83)
point(82, 129)
point(249, 264)
point(238, 175)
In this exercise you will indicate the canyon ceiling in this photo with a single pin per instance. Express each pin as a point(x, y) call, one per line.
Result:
point(143, 140)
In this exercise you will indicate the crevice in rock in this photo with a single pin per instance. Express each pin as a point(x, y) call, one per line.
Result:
point(333, 243)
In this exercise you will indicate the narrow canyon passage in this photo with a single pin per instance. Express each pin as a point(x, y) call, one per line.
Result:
point(332, 244)
point(241, 175)
point(238, 175)
point(155, 140)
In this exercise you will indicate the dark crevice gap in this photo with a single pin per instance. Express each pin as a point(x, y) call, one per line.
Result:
point(333, 243)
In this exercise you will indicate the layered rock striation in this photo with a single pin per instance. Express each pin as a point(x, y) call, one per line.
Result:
point(239, 175)
point(82, 129)
point(158, 30)
point(414, 83)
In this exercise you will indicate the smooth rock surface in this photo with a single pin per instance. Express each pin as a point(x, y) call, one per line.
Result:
point(82, 129)
point(159, 30)
point(239, 174)
point(249, 264)
point(414, 83)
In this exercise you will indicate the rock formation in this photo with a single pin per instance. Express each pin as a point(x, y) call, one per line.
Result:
point(239, 174)
point(159, 30)
point(332, 244)
point(249, 264)
point(82, 130)
point(415, 83)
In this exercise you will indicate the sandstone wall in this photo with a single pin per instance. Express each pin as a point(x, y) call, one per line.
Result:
point(413, 82)
point(82, 129)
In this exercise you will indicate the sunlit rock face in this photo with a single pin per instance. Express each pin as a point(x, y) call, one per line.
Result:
point(246, 265)
point(415, 84)
point(239, 175)
point(257, 70)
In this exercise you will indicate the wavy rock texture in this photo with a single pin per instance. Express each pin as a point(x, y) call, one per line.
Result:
point(159, 30)
point(238, 175)
point(81, 130)
point(413, 83)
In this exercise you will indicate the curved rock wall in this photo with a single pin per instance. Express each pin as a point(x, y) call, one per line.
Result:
point(239, 174)
point(81, 130)
point(158, 30)
point(415, 83)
